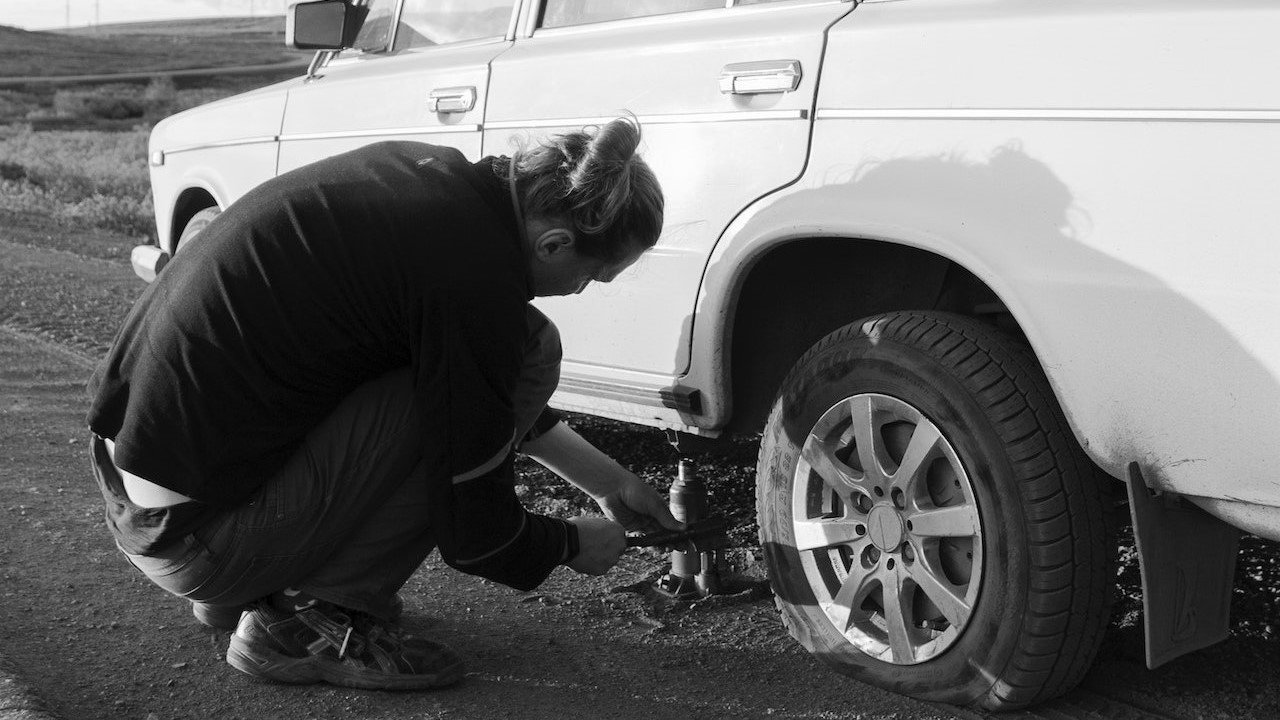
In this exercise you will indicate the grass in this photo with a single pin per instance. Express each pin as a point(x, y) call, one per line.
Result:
point(77, 154)
point(144, 47)
point(92, 178)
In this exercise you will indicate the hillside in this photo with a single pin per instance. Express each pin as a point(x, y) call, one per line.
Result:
point(188, 28)
point(136, 47)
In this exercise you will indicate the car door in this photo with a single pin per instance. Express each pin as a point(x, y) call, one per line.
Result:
point(420, 72)
point(724, 93)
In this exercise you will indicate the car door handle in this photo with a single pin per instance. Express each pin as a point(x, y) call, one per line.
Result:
point(764, 76)
point(452, 99)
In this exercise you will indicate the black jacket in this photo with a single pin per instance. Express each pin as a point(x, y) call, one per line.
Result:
point(394, 254)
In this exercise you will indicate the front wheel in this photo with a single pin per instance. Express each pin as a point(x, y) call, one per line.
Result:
point(198, 222)
point(929, 522)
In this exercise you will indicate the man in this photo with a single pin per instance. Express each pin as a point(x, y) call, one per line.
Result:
point(330, 382)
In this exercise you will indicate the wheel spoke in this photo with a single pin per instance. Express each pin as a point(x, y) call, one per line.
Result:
point(956, 521)
point(822, 460)
point(924, 440)
point(818, 533)
point(951, 605)
point(896, 614)
point(852, 592)
point(886, 528)
point(862, 413)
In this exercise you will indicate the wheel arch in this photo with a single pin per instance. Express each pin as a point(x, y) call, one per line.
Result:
point(830, 281)
point(189, 202)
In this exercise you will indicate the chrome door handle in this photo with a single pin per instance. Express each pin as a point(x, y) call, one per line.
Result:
point(452, 99)
point(764, 76)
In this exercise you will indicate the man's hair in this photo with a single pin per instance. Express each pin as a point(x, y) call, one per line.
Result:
point(594, 181)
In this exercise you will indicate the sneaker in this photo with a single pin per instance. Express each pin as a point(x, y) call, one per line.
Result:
point(326, 643)
point(221, 617)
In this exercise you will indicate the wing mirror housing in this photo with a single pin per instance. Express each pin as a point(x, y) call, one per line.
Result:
point(323, 25)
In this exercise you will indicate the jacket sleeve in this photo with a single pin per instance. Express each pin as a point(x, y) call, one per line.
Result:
point(494, 537)
point(539, 376)
point(466, 377)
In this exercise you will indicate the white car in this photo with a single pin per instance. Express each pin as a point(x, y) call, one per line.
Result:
point(972, 266)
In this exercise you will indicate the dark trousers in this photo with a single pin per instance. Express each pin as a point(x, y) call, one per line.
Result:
point(345, 520)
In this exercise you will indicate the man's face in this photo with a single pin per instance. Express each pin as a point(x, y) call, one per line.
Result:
point(581, 271)
point(562, 270)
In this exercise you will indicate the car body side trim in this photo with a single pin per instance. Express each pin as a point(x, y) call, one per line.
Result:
point(665, 119)
point(223, 143)
point(508, 125)
point(1107, 114)
point(379, 132)
point(679, 398)
point(614, 390)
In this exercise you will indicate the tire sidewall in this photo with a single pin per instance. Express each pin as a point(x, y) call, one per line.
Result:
point(863, 364)
point(198, 222)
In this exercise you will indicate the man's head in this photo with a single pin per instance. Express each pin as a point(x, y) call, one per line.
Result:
point(591, 206)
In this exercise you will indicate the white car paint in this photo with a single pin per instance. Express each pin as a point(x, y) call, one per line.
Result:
point(388, 98)
point(714, 152)
point(1112, 184)
point(223, 149)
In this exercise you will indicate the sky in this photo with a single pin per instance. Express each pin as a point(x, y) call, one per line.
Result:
point(54, 14)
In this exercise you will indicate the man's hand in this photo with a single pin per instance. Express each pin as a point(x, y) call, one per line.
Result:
point(637, 506)
point(621, 494)
point(600, 544)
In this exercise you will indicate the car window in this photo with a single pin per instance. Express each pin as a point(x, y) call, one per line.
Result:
point(438, 22)
point(375, 32)
point(561, 13)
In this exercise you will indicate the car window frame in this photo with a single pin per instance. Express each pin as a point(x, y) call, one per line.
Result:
point(517, 7)
point(542, 12)
point(507, 35)
point(391, 38)
point(531, 16)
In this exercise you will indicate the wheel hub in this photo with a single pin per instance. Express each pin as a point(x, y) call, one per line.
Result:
point(886, 528)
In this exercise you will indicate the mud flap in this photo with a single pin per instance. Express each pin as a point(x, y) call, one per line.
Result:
point(1188, 562)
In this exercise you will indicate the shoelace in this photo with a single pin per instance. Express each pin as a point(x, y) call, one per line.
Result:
point(351, 631)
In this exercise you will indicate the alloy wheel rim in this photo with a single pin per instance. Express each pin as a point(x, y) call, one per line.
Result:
point(886, 523)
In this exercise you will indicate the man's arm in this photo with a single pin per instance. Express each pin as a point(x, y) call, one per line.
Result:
point(621, 494)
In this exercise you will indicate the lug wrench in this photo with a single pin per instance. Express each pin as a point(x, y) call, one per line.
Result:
point(699, 536)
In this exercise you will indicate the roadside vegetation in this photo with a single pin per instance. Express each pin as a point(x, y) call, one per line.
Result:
point(78, 177)
point(144, 47)
point(76, 155)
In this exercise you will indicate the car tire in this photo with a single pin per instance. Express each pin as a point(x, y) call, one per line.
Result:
point(982, 576)
point(197, 223)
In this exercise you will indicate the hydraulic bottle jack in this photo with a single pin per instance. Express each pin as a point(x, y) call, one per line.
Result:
point(695, 562)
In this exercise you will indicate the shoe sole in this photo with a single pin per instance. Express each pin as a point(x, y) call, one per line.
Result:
point(272, 665)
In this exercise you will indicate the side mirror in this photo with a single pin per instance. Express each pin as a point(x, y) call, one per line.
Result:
point(323, 25)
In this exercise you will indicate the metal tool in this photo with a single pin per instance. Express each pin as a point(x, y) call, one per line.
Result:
point(700, 536)
point(694, 568)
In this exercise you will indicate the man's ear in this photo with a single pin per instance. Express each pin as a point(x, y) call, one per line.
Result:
point(553, 244)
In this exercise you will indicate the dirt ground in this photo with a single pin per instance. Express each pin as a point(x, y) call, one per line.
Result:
point(94, 639)
point(91, 638)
